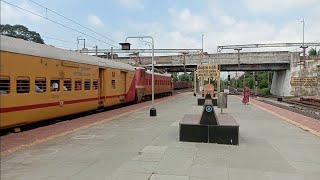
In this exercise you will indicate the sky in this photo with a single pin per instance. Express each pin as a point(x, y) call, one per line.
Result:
point(172, 23)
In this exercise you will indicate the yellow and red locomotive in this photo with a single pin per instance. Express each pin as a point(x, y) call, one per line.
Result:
point(40, 82)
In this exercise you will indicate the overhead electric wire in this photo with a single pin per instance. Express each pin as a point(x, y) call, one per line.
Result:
point(56, 22)
point(58, 39)
point(73, 21)
point(61, 40)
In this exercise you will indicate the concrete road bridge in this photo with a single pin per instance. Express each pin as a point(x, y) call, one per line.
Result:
point(248, 61)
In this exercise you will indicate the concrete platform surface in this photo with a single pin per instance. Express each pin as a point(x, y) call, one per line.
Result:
point(139, 147)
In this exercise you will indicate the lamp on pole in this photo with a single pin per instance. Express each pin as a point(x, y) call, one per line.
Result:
point(202, 42)
point(126, 46)
point(303, 46)
point(238, 49)
point(184, 63)
point(304, 53)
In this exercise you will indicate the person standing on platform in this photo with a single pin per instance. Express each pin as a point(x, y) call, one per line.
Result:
point(246, 95)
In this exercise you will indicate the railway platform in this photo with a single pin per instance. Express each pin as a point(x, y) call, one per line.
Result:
point(127, 143)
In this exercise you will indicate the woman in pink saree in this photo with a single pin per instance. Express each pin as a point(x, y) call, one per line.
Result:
point(246, 95)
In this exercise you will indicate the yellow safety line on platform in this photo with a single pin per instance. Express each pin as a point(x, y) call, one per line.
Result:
point(305, 128)
point(9, 151)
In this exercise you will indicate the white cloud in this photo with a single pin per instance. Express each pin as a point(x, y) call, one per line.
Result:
point(222, 29)
point(185, 21)
point(95, 20)
point(132, 4)
point(227, 20)
point(14, 15)
point(278, 6)
point(185, 27)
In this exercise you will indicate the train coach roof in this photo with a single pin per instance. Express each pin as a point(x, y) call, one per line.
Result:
point(165, 74)
point(20, 46)
point(149, 72)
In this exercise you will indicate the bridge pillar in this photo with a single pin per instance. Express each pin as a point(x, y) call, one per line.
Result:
point(281, 83)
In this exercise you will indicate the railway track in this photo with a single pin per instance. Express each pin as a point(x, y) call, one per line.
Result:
point(306, 108)
point(304, 104)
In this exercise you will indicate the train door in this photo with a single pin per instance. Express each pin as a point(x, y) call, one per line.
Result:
point(123, 83)
point(102, 91)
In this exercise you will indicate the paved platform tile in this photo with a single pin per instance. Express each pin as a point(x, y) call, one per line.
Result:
point(154, 149)
point(130, 176)
point(168, 177)
point(138, 167)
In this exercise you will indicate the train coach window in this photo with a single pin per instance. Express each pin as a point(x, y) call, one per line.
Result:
point(87, 84)
point(95, 84)
point(4, 84)
point(40, 85)
point(78, 84)
point(23, 85)
point(113, 84)
point(67, 85)
point(54, 85)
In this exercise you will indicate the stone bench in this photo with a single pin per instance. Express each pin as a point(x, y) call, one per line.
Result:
point(209, 127)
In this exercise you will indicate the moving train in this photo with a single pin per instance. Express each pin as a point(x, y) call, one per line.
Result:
point(40, 82)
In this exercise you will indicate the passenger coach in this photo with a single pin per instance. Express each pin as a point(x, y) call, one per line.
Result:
point(39, 82)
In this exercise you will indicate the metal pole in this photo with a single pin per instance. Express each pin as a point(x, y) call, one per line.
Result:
point(304, 50)
point(152, 73)
point(111, 53)
point(195, 83)
point(202, 42)
point(184, 65)
point(218, 79)
point(255, 84)
point(96, 50)
point(236, 79)
point(238, 58)
point(268, 79)
point(304, 53)
point(228, 82)
point(77, 43)
point(221, 101)
point(153, 111)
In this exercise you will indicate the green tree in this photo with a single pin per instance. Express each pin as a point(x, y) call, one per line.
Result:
point(175, 77)
point(312, 52)
point(186, 77)
point(21, 32)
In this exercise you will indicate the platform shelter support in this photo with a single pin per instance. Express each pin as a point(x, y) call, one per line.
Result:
point(195, 83)
point(218, 79)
